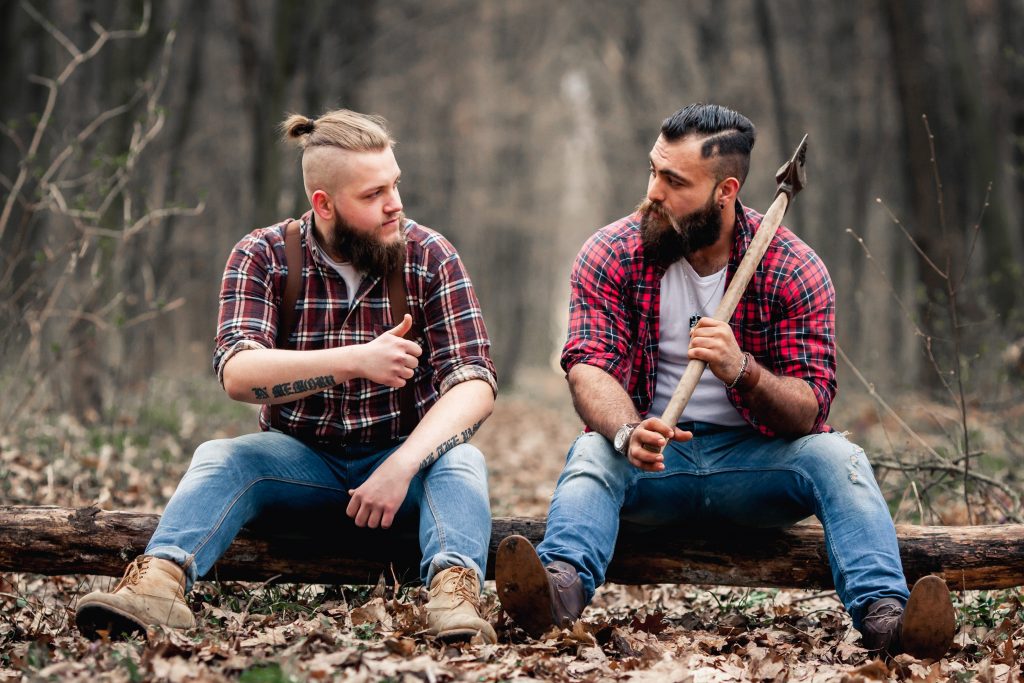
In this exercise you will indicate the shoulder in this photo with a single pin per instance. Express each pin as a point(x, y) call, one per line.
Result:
point(427, 242)
point(429, 254)
point(617, 243)
point(265, 239)
point(263, 245)
point(788, 256)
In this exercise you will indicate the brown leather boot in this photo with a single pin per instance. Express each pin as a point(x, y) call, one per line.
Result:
point(924, 628)
point(536, 597)
point(453, 611)
point(152, 592)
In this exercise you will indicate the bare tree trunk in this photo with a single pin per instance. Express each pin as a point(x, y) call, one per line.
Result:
point(52, 540)
point(938, 76)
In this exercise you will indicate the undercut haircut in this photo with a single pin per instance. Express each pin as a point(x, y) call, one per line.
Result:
point(341, 128)
point(728, 135)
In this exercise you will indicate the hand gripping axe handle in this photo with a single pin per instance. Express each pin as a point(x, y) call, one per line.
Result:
point(791, 178)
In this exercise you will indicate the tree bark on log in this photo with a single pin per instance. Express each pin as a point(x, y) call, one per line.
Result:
point(55, 541)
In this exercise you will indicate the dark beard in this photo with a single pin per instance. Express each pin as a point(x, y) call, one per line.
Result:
point(366, 253)
point(666, 241)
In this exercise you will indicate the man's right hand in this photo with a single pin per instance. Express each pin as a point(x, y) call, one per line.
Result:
point(389, 359)
point(648, 440)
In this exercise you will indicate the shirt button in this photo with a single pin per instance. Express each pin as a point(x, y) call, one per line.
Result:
point(348, 411)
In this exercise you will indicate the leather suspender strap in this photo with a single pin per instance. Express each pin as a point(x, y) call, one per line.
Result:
point(287, 315)
point(399, 307)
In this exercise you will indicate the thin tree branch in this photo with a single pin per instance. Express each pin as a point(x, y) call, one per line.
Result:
point(976, 231)
point(910, 238)
point(886, 407)
point(927, 338)
point(61, 39)
point(953, 469)
point(954, 315)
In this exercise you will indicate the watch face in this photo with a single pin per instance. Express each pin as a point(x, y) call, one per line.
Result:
point(620, 438)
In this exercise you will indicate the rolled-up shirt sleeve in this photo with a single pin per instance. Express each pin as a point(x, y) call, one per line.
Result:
point(247, 316)
point(598, 332)
point(457, 336)
point(803, 340)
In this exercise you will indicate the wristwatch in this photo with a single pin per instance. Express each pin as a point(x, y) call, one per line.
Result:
point(621, 441)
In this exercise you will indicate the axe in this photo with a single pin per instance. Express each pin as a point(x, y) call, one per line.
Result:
point(791, 178)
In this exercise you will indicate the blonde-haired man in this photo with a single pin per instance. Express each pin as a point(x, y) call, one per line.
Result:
point(357, 419)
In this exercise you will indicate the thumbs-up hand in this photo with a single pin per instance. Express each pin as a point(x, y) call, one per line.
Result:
point(401, 328)
point(390, 359)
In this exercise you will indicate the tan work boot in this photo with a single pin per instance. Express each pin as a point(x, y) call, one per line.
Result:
point(453, 611)
point(152, 592)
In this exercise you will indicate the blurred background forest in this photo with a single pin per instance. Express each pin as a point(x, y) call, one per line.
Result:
point(139, 144)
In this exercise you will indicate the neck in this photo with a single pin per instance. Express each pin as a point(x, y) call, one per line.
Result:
point(322, 230)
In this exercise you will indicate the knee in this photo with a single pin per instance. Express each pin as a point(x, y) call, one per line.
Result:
point(211, 455)
point(225, 457)
point(463, 458)
point(593, 457)
point(830, 460)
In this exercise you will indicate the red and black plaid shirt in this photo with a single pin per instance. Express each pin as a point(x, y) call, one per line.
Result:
point(447, 324)
point(785, 319)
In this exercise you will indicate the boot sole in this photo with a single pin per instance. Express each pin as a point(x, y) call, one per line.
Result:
point(92, 619)
point(461, 635)
point(523, 586)
point(929, 622)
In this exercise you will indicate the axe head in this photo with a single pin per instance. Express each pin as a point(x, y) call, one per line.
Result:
point(792, 176)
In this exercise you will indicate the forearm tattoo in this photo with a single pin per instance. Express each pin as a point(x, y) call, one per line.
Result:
point(299, 386)
point(449, 444)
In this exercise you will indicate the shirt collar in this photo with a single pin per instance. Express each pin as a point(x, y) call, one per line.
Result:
point(742, 234)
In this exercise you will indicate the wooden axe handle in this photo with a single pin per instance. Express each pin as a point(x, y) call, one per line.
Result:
point(758, 246)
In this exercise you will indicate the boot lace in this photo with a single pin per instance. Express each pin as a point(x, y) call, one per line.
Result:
point(461, 582)
point(134, 573)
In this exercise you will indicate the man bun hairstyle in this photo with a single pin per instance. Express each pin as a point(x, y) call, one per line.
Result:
point(729, 136)
point(342, 128)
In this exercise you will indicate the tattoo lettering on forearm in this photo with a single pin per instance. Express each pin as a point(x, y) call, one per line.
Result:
point(449, 444)
point(260, 393)
point(300, 386)
point(468, 433)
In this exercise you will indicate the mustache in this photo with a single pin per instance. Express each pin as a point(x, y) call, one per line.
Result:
point(654, 213)
point(649, 208)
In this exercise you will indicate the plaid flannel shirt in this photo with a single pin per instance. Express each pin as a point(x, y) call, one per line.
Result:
point(785, 318)
point(447, 324)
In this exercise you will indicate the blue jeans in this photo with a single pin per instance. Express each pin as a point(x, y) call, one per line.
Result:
point(734, 476)
point(231, 482)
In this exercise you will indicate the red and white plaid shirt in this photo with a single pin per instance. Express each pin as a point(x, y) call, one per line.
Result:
point(785, 318)
point(447, 324)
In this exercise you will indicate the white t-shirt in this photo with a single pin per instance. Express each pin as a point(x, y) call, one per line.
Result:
point(685, 293)
point(349, 274)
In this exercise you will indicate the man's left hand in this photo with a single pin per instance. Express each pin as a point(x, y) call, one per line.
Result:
point(375, 503)
point(713, 342)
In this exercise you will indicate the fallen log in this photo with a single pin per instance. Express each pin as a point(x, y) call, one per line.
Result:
point(56, 541)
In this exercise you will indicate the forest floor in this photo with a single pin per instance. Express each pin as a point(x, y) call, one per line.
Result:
point(254, 632)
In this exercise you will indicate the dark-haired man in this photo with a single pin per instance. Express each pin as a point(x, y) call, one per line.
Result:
point(752, 447)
